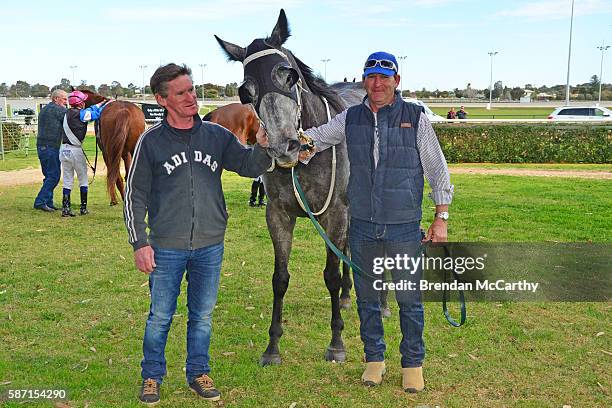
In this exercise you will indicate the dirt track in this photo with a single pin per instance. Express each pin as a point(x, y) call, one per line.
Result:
point(30, 176)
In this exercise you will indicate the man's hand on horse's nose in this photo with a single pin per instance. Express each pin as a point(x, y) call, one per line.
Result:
point(145, 259)
point(262, 137)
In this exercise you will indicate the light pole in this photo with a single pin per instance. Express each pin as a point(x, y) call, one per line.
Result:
point(144, 86)
point(602, 48)
point(401, 67)
point(202, 66)
point(325, 61)
point(73, 68)
point(491, 54)
point(569, 56)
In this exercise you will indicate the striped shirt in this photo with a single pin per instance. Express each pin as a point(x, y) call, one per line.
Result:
point(434, 164)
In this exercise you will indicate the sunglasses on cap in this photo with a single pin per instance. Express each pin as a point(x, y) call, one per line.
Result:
point(386, 64)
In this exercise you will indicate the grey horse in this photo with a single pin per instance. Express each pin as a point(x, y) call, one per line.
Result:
point(287, 97)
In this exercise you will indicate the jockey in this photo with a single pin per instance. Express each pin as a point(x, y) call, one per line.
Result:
point(72, 155)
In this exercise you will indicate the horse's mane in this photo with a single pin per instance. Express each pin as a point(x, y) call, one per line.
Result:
point(318, 86)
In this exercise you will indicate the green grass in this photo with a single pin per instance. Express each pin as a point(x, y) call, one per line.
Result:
point(535, 166)
point(67, 285)
point(20, 160)
point(498, 112)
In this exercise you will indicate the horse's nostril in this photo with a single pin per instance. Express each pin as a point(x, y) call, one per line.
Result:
point(293, 145)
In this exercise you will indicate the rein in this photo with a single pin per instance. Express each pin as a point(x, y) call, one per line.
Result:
point(347, 261)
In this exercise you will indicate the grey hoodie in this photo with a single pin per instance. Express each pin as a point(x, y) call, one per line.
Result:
point(175, 179)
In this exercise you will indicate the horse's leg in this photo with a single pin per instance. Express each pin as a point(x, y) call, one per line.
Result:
point(113, 197)
point(337, 233)
point(347, 284)
point(127, 162)
point(280, 226)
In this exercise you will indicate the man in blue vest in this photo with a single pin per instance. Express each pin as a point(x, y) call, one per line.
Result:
point(392, 147)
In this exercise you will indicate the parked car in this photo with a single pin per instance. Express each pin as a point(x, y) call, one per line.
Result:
point(430, 114)
point(581, 113)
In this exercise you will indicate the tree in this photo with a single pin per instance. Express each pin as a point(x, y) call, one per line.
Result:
point(40, 91)
point(507, 96)
point(63, 85)
point(231, 89)
point(130, 91)
point(594, 82)
point(3, 89)
point(498, 90)
point(211, 93)
point(84, 86)
point(104, 90)
point(20, 89)
point(116, 89)
point(516, 93)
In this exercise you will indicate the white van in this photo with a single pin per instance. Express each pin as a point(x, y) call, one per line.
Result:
point(581, 113)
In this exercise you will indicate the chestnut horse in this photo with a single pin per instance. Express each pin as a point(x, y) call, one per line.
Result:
point(239, 119)
point(121, 124)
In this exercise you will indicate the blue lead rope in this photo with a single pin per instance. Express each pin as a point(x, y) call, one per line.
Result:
point(356, 268)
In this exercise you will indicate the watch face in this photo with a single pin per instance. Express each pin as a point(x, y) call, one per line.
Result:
point(443, 215)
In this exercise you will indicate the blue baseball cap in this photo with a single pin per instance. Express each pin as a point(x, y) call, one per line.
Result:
point(380, 63)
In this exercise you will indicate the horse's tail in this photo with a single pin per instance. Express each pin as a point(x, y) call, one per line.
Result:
point(114, 145)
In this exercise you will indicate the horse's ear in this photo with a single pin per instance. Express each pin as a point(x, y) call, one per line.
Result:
point(281, 31)
point(233, 51)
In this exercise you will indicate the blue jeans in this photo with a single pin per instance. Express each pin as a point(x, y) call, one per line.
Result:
point(203, 268)
point(51, 169)
point(368, 241)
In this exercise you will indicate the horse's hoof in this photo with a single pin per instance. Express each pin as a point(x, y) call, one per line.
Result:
point(345, 303)
point(269, 359)
point(113, 203)
point(386, 312)
point(335, 354)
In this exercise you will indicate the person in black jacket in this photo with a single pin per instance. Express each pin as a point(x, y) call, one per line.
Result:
point(48, 140)
point(175, 180)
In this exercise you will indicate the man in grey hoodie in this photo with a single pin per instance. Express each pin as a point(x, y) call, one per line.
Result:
point(175, 180)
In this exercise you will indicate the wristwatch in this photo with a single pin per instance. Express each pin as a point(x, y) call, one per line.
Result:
point(442, 215)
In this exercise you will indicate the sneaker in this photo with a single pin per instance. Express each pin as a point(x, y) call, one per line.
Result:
point(251, 203)
point(205, 388)
point(149, 392)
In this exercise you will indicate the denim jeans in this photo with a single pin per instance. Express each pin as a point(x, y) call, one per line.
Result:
point(368, 241)
point(51, 169)
point(203, 268)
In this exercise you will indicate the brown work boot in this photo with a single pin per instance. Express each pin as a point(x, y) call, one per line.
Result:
point(205, 388)
point(373, 374)
point(412, 379)
point(149, 392)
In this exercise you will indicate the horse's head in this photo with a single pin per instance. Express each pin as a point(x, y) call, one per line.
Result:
point(92, 97)
point(272, 85)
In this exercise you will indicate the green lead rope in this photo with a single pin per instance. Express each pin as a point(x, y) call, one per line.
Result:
point(356, 268)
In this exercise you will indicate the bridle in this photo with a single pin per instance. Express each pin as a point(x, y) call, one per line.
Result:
point(305, 142)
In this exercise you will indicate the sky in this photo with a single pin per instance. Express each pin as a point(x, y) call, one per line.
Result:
point(446, 42)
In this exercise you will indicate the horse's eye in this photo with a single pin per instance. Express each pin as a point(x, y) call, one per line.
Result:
point(247, 92)
point(284, 76)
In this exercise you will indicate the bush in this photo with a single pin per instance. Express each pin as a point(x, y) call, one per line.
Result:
point(525, 143)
